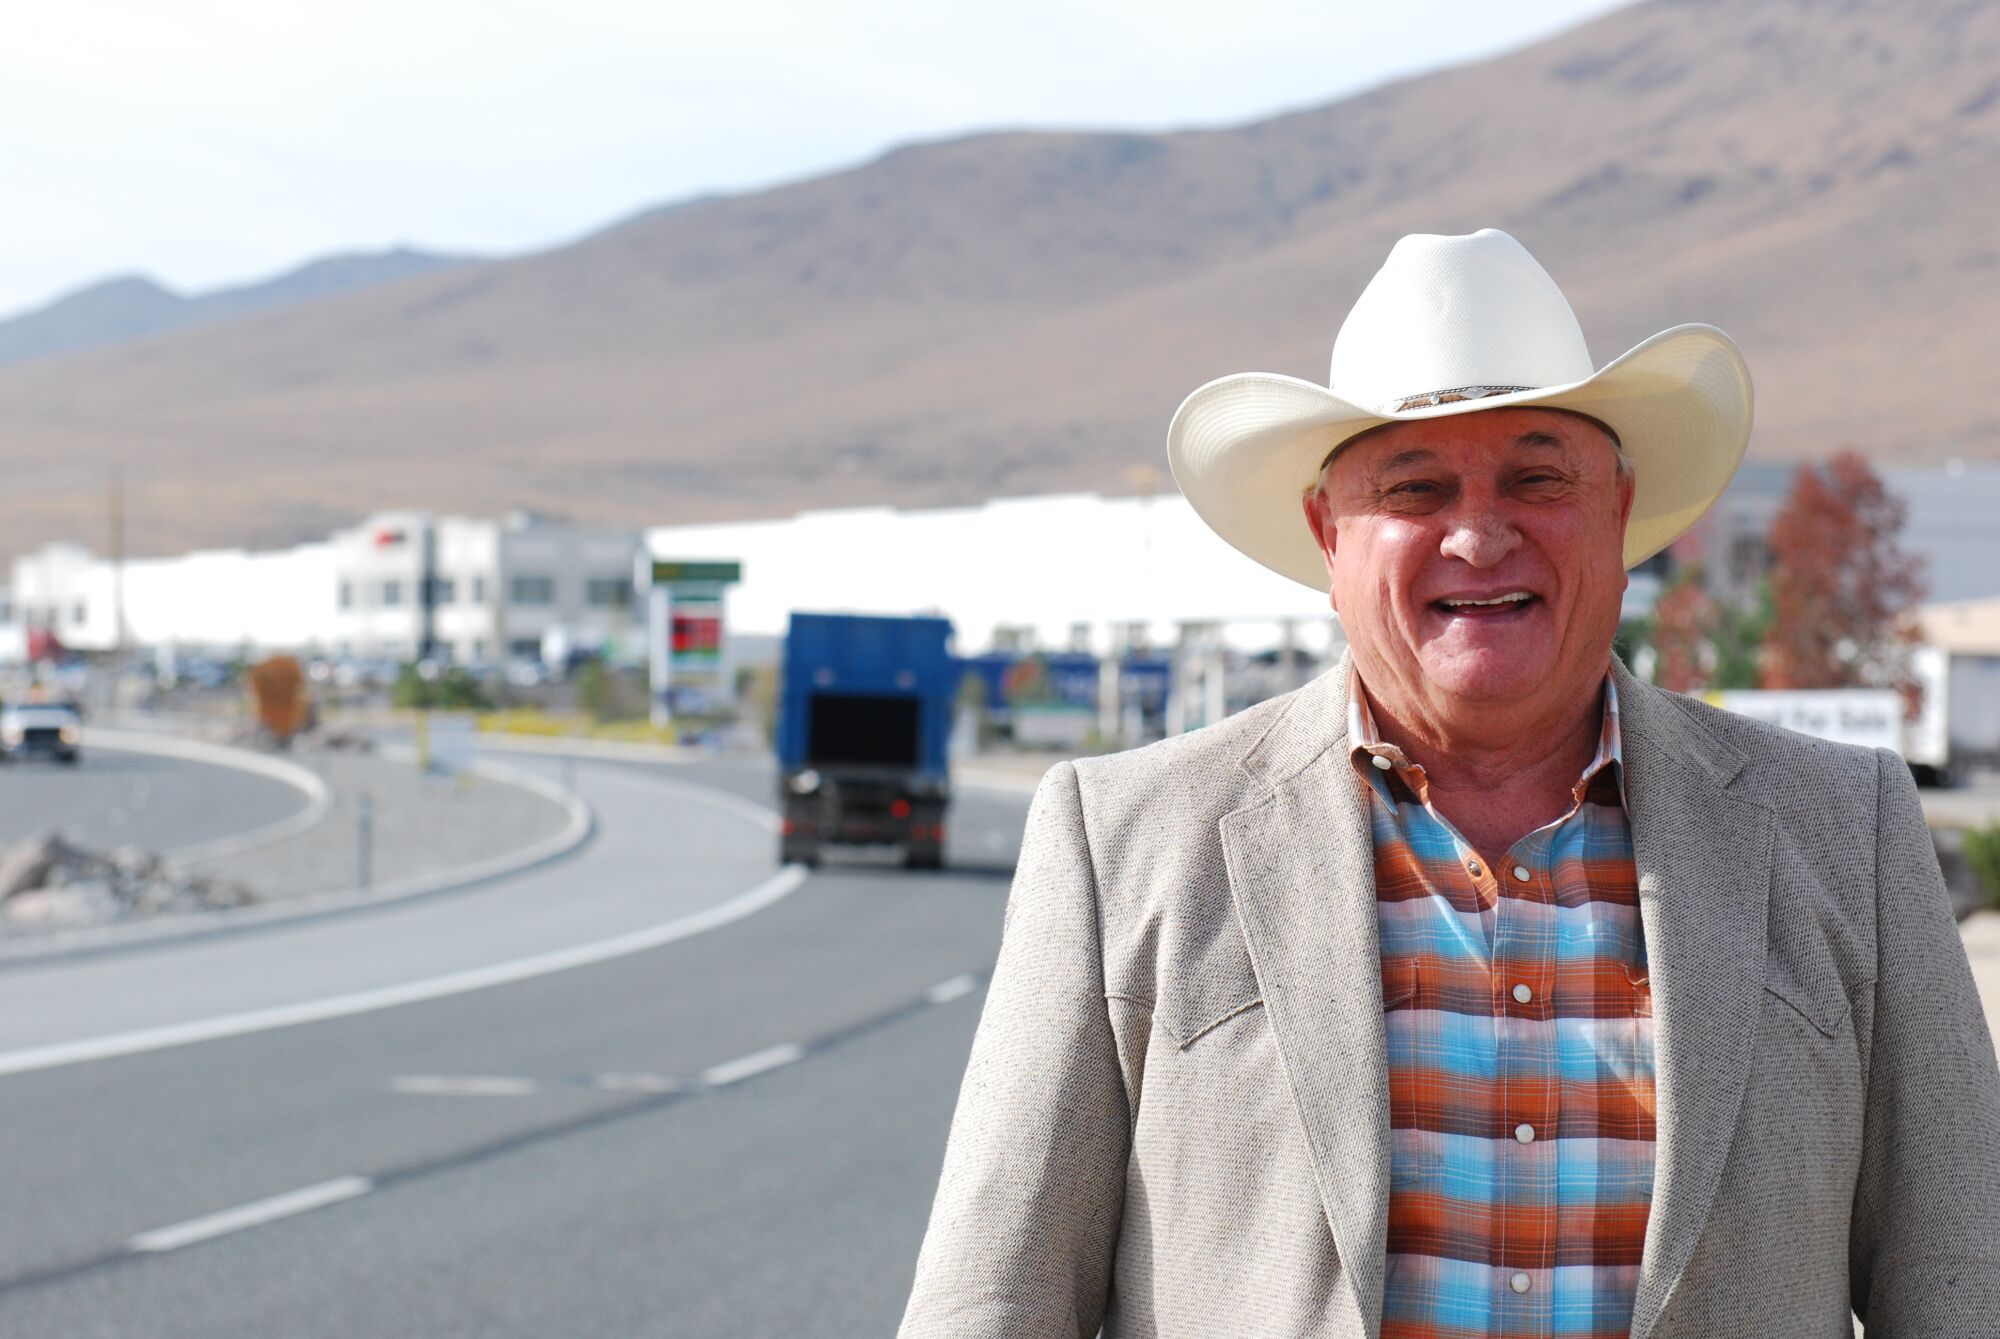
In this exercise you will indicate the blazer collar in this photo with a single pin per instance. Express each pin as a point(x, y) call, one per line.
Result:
point(1703, 848)
point(1301, 870)
point(1300, 859)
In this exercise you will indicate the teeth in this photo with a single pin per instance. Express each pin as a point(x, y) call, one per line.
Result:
point(1513, 598)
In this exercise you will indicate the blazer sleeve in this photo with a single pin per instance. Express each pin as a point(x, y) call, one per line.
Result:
point(1925, 1245)
point(1028, 1208)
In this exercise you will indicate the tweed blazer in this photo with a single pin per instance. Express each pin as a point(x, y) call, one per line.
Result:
point(1175, 1121)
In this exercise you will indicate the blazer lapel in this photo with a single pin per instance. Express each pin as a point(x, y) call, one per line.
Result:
point(1704, 863)
point(1301, 870)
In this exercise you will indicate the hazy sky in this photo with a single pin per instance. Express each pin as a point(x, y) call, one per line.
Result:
point(210, 141)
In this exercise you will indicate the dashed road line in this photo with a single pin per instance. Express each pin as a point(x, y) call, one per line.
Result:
point(652, 1093)
point(636, 1081)
point(288, 1205)
point(944, 992)
point(464, 1085)
point(757, 1062)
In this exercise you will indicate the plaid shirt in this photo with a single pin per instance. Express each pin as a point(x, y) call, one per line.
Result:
point(1520, 1029)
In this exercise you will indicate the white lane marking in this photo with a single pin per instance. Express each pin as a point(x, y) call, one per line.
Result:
point(757, 1062)
point(944, 992)
point(252, 1215)
point(773, 889)
point(464, 1085)
point(635, 1083)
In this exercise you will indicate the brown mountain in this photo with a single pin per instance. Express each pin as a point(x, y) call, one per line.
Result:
point(1017, 313)
point(133, 306)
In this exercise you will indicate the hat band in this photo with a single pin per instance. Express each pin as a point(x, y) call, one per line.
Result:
point(1457, 393)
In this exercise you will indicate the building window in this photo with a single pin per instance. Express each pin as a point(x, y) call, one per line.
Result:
point(479, 590)
point(607, 592)
point(392, 594)
point(346, 595)
point(79, 613)
point(442, 590)
point(525, 648)
point(532, 590)
point(478, 648)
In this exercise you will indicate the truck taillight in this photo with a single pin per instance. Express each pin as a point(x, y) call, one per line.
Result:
point(899, 809)
point(937, 832)
point(788, 829)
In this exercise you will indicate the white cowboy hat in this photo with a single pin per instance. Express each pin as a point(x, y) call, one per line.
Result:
point(1454, 325)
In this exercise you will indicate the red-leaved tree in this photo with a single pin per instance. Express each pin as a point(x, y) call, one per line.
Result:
point(1843, 593)
point(1683, 619)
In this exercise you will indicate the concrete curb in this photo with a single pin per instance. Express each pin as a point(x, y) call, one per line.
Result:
point(613, 749)
point(319, 801)
point(138, 934)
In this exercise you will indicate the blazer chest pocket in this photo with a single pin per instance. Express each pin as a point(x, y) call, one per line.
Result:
point(1812, 989)
point(1199, 1003)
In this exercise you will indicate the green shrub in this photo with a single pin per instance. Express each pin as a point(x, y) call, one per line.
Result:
point(596, 694)
point(453, 690)
point(1982, 856)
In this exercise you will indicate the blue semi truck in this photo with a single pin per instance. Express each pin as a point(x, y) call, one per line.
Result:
point(865, 708)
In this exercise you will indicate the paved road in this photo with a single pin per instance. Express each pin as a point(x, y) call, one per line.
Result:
point(733, 1134)
point(111, 798)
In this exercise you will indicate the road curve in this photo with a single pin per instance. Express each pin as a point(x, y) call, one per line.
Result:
point(113, 797)
point(731, 1134)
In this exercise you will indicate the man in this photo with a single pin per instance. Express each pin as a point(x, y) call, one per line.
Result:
point(1476, 988)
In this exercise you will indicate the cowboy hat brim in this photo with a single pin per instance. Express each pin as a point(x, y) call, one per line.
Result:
point(1245, 448)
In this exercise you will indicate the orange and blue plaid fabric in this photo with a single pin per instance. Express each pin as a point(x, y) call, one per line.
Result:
point(1520, 1028)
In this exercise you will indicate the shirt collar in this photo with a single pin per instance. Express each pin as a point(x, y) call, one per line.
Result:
point(1365, 743)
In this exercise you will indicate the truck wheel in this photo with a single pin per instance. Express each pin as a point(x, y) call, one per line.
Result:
point(924, 857)
point(799, 855)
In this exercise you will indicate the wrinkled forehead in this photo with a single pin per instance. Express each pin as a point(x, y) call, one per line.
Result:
point(1494, 435)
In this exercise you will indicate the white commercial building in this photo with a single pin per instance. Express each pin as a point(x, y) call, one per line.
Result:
point(517, 589)
point(397, 586)
point(1076, 572)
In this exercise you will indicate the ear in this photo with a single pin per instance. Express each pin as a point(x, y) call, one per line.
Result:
point(1319, 519)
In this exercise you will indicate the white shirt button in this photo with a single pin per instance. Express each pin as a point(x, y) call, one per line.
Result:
point(1525, 1133)
point(1522, 994)
point(1382, 762)
point(1521, 1283)
point(1521, 873)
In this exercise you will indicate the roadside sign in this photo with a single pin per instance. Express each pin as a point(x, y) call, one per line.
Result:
point(686, 632)
point(1872, 717)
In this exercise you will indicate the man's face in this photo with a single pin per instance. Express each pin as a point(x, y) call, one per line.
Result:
point(1419, 520)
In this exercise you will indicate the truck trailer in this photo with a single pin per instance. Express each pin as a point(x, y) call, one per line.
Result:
point(865, 708)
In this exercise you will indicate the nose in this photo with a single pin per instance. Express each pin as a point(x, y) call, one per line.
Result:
point(1482, 539)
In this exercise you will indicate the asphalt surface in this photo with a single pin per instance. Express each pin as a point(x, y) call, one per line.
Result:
point(736, 1133)
point(111, 798)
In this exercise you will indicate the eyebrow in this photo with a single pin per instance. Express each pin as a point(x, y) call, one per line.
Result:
point(1417, 454)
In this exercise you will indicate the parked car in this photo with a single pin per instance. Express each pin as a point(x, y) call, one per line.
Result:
point(40, 730)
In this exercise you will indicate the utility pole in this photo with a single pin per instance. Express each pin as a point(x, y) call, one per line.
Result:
point(117, 584)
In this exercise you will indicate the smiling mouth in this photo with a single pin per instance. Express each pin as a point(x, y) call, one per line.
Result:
point(1499, 606)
